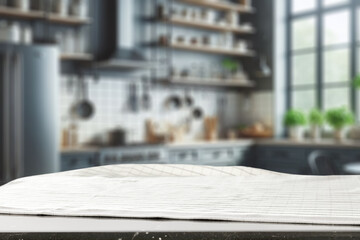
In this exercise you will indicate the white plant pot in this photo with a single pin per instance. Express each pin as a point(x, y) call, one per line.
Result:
point(340, 134)
point(296, 133)
point(315, 132)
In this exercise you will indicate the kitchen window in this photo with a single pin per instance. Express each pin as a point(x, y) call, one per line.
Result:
point(323, 48)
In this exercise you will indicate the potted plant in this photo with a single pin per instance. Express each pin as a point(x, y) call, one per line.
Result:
point(338, 119)
point(316, 120)
point(295, 120)
point(230, 66)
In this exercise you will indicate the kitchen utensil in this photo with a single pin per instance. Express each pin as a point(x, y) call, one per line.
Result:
point(188, 100)
point(264, 67)
point(117, 137)
point(84, 109)
point(174, 102)
point(197, 113)
point(61, 7)
point(211, 128)
point(146, 99)
point(133, 101)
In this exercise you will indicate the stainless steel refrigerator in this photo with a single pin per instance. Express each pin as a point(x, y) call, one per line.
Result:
point(29, 110)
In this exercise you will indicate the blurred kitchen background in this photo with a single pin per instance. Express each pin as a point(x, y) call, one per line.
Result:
point(260, 83)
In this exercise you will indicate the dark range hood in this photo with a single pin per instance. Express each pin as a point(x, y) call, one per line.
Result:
point(116, 36)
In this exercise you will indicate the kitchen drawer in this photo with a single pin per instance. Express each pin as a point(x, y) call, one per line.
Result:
point(184, 157)
point(78, 161)
point(133, 156)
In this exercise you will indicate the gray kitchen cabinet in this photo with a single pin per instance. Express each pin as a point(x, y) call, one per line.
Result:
point(282, 159)
point(133, 155)
point(72, 161)
point(218, 156)
point(295, 159)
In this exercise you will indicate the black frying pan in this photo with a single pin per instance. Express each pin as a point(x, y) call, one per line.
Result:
point(84, 109)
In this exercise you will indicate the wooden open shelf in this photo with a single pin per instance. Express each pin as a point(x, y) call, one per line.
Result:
point(37, 15)
point(76, 57)
point(208, 82)
point(68, 20)
point(207, 26)
point(17, 13)
point(212, 50)
point(225, 6)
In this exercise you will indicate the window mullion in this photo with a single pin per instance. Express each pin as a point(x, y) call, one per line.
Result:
point(319, 57)
point(289, 56)
point(354, 52)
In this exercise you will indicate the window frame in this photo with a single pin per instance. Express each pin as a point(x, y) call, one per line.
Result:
point(354, 47)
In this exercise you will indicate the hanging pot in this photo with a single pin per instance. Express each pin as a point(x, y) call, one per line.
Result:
point(84, 109)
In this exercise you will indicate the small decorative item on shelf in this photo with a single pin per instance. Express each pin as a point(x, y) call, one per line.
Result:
point(61, 7)
point(232, 18)
point(180, 40)
point(185, 13)
point(295, 120)
point(206, 41)
point(211, 128)
point(184, 73)
point(23, 5)
point(316, 121)
point(26, 35)
point(221, 22)
point(195, 15)
point(14, 32)
point(246, 3)
point(230, 67)
point(160, 12)
point(257, 130)
point(246, 26)
point(38, 5)
point(173, 13)
point(78, 8)
point(338, 119)
point(208, 16)
point(241, 45)
point(163, 40)
point(194, 41)
point(10, 32)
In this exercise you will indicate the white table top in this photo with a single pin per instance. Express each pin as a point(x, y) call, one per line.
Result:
point(352, 168)
point(42, 224)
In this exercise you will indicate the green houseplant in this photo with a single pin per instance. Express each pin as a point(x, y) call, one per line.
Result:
point(338, 119)
point(316, 121)
point(230, 66)
point(295, 120)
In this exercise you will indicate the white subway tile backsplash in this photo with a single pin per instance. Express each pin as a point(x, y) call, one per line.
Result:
point(110, 98)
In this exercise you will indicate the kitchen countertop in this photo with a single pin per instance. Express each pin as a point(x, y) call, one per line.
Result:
point(179, 145)
point(327, 143)
point(330, 143)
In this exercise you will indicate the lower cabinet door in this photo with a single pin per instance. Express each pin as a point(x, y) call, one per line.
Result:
point(285, 160)
point(78, 161)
